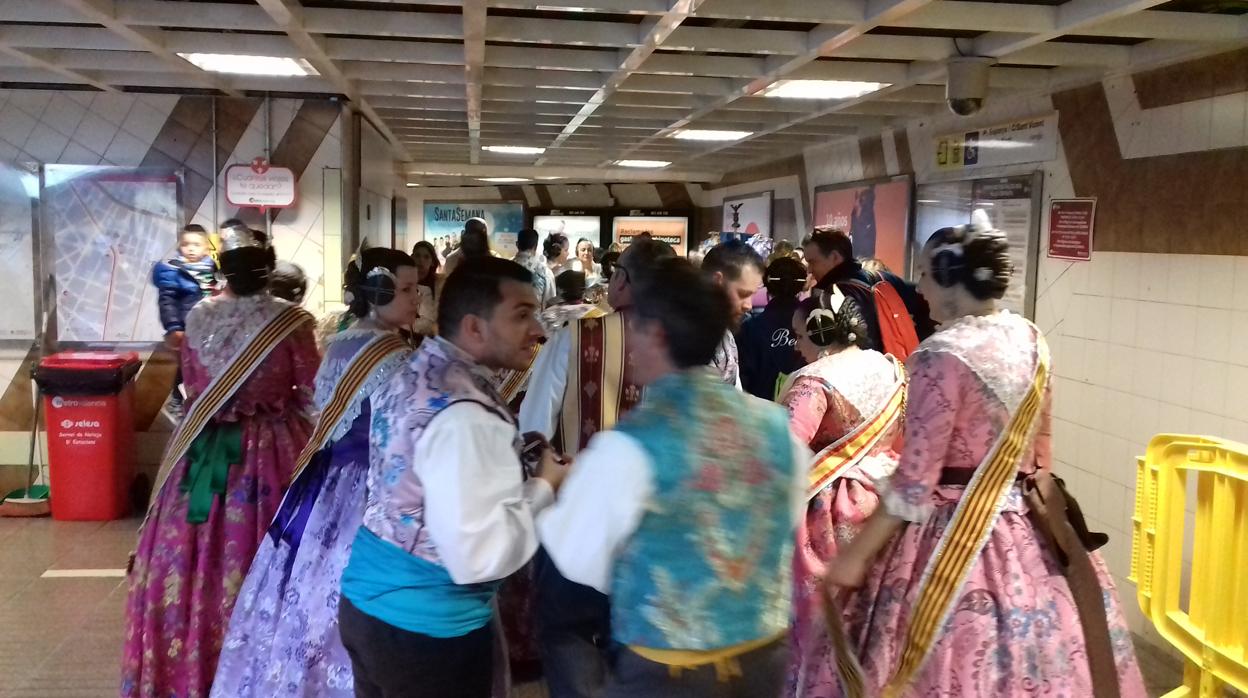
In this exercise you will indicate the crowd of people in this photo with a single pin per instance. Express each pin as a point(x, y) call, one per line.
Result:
point(481, 469)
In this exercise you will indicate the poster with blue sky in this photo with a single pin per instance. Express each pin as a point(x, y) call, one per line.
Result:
point(503, 220)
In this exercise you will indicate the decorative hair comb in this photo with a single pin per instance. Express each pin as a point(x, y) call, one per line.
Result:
point(238, 238)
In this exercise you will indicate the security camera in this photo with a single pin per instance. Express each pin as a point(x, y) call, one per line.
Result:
point(967, 86)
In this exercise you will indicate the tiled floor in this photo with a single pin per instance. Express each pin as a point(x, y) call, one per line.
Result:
point(61, 637)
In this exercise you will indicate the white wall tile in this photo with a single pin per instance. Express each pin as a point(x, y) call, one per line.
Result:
point(1239, 337)
point(1072, 359)
point(1145, 414)
point(1126, 279)
point(1067, 401)
point(16, 126)
point(1118, 412)
point(63, 115)
point(1176, 379)
point(1227, 121)
point(1150, 319)
point(1213, 334)
point(1164, 126)
point(45, 144)
point(1122, 317)
point(1195, 121)
point(1120, 368)
point(1209, 385)
point(1174, 419)
point(1237, 430)
point(1150, 365)
point(75, 154)
point(1236, 406)
point(1095, 362)
point(1078, 276)
point(1098, 318)
point(126, 150)
point(112, 108)
point(94, 133)
point(9, 152)
point(1154, 277)
point(1075, 323)
point(1217, 281)
point(1184, 279)
point(144, 122)
point(1178, 335)
point(1101, 273)
point(33, 102)
point(1239, 301)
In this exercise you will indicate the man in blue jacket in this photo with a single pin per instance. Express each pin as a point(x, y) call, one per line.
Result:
point(181, 282)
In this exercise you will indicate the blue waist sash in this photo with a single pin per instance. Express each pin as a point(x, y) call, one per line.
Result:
point(411, 593)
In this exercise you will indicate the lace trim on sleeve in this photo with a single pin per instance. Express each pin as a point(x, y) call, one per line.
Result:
point(896, 504)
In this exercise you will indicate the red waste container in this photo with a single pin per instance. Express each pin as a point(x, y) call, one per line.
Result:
point(88, 400)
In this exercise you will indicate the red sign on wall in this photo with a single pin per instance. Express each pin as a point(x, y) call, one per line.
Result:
point(1071, 223)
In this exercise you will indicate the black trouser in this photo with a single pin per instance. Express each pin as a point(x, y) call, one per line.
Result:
point(573, 633)
point(389, 662)
point(762, 676)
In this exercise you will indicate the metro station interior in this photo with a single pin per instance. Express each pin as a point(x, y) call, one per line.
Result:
point(694, 121)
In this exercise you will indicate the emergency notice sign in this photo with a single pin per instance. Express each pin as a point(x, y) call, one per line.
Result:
point(260, 185)
point(1071, 223)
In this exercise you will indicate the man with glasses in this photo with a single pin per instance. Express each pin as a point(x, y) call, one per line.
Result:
point(581, 383)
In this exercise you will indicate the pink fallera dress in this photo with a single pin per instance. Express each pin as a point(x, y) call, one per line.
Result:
point(1014, 630)
point(187, 576)
point(827, 400)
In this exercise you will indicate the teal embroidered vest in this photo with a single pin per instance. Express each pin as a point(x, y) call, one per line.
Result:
point(709, 564)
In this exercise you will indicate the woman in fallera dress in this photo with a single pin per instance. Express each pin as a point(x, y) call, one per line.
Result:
point(1000, 618)
point(847, 406)
point(283, 639)
point(248, 361)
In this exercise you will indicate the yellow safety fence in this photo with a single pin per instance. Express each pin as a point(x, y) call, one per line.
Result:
point(1213, 632)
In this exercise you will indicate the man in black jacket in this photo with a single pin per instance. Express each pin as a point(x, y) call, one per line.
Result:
point(830, 255)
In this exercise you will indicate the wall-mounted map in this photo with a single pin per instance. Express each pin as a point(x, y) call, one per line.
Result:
point(109, 225)
point(19, 190)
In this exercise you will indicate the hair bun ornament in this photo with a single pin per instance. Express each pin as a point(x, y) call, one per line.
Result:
point(379, 272)
point(822, 313)
point(983, 274)
point(238, 237)
point(348, 296)
point(980, 222)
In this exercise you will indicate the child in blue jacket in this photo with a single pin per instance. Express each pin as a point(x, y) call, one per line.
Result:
point(182, 282)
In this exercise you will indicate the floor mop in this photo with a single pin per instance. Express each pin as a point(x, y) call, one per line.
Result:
point(33, 499)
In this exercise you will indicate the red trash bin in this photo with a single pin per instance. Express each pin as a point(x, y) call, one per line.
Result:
point(88, 400)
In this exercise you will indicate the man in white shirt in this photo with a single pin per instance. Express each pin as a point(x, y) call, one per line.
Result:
point(684, 513)
point(581, 383)
point(449, 511)
point(738, 271)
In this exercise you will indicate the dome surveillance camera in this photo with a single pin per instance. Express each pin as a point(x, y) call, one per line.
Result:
point(967, 85)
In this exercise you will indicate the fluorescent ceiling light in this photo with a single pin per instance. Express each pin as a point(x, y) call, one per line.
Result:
point(822, 89)
point(502, 180)
point(513, 149)
point(549, 179)
point(701, 134)
point(412, 184)
point(250, 65)
point(646, 164)
point(560, 8)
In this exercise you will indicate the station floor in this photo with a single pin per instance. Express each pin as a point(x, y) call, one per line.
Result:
point(62, 599)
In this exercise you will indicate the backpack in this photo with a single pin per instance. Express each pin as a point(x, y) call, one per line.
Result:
point(892, 319)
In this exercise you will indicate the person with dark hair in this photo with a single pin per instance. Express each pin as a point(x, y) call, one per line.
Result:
point(847, 406)
point(249, 361)
point(570, 304)
point(556, 249)
point(288, 606)
point(977, 457)
point(181, 282)
point(766, 344)
point(449, 513)
point(738, 271)
point(527, 257)
point(473, 244)
point(684, 512)
point(288, 282)
point(582, 382)
point(425, 255)
point(830, 255)
point(609, 260)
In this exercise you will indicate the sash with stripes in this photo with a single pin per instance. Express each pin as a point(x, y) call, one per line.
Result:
point(361, 368)
point(223, 387)
point(965, 537)
point(842, 455)
point(597, 392)
point(511, 383)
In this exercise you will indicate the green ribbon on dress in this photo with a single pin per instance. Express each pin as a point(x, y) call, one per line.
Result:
point(209, 459)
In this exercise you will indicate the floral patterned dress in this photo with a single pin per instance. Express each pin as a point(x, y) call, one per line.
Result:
point(827, 400)
point(186, 576)
point(1014, 630)
point(283, 639)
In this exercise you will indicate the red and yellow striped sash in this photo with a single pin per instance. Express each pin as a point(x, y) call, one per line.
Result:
point(223, 387)
point(511, 383)
point(839, 457)
point(361, 367)
point(968, 531)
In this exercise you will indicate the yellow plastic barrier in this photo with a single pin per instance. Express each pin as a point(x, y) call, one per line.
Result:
point(1213, 632)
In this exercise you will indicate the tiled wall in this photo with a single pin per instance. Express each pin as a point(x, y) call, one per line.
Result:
point(80, 128)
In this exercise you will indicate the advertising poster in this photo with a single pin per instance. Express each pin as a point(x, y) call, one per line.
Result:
point(875, 214)
point(574, 226)
point(446, 220)
point(1071, 223)
point(18, 192)
point(674, 230)
point(748, 215)
point(109, 226)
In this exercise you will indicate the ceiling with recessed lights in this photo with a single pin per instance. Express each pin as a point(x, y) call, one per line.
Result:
point(549, 88)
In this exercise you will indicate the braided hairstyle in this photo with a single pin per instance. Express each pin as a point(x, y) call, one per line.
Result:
point(369, 280)
point(975, 257)
point(834, 320)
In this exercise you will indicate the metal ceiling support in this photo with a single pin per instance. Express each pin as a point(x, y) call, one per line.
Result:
point(149, 39)
point(619, 174)
point(33, 59)
point(288, 15)
point(1072, 17)
point(474, 69)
